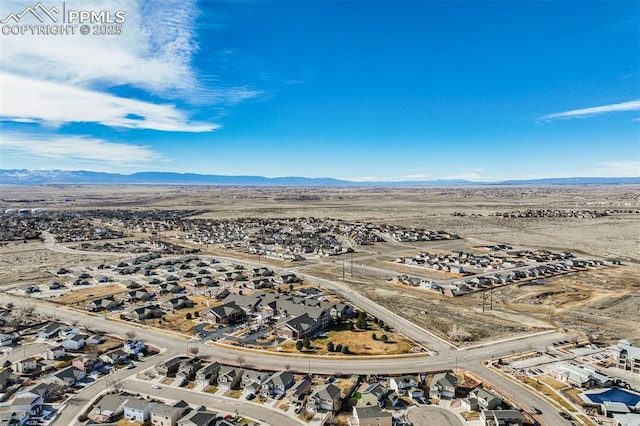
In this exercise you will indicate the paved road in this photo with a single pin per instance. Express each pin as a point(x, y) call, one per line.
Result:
point(443, 356)
point(432, 416)
point(51, 244)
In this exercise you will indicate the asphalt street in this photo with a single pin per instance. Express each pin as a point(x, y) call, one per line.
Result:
point(442, 355)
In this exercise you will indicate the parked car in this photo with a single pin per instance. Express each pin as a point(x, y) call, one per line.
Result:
point(535, 409)
point(156, 386)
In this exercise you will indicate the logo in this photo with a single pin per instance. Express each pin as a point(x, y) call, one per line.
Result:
point(39, 19)
point(33, 10)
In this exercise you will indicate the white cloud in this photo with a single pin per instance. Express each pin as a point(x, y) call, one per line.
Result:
point(619, 168)
point(25, 99)
point(154, 53)
point(77, 148)
point(625, 106)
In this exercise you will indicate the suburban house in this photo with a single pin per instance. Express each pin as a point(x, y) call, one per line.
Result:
point(25, 366)
point(134, 347)
point(278, 384)
point(228, 313)
point(252, 380)
point(96, 339)
point(209, 374)
point(481, 399)
point(373, 395)
point(28, 405)
point(187, 369)
point(501, 418)
point(67, 377)
point(170, 367)
point(6, 380)
point(68, 332)
point(74, 343)
point(199, 417)
point(229, 377)
point(87, 363)
point(370, 416)
point(145, 312)
point(140, 295)
point(108, 303)
point(443, 386)
point(168, 415)
point(176, 303)
point(301, 388)
point(54, 353)
point(138, 410)
point(49, 330)
point(326, 397)
point(116, 356)
point(108, 409)
point(402, 384)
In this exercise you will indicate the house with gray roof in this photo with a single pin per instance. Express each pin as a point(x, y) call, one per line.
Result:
point(443, 386)
point(370, 416)
point(199, 417)
point(168, 415)
point(66, 377)
point(501, 418)
point(228, 313)
point(229, 377)
point(326, 397)
point(138, 410)
point(108, 409)
point(209, 373)
point(301, 388)
point(277, 385)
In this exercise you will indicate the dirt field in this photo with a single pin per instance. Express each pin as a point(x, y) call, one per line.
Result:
point(599, 301)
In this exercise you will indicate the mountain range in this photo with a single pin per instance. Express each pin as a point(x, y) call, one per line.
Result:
point(38, 177)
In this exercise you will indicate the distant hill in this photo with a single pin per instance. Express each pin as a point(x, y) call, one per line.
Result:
point(37, 177)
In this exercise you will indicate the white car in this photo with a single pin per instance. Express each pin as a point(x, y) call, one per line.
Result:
point(156, 386)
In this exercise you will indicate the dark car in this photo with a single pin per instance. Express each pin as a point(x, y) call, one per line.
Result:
point(536, 409)
point(565, 415)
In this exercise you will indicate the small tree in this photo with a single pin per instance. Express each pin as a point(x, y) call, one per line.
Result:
point(384, 338)
point(306, 342)
point(339, 347)
point(345, 349)
point(350, 326)
point(361, 324)
point(189, 316)
point(299, 345)
point(330, 347)
point(194, 350)
point(290, 287)
point(10, 305)
point(130, 334)
point(374, 336)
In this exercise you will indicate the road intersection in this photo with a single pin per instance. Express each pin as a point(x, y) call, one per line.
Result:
point(441, 355)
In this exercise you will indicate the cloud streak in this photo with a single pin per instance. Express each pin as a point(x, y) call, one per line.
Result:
point(29, 100)
point(585, 112)
point(78, 148)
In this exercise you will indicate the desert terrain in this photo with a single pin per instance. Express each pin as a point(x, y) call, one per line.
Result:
point(595, 302)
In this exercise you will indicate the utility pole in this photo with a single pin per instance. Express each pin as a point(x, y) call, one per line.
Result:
point(351, 264)
point(491, 300)
point(484, 297)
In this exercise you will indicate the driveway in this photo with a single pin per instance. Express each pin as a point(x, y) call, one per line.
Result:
point(432, 416)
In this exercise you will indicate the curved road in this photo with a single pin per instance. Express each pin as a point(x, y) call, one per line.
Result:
point(443, 357)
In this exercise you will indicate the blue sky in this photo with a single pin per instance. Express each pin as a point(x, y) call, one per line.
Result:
point(356, 90)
